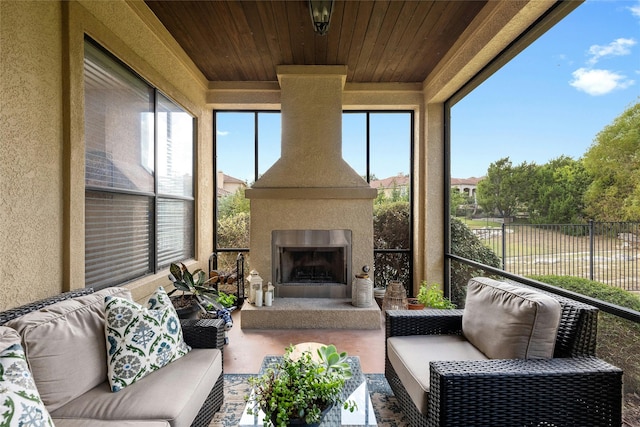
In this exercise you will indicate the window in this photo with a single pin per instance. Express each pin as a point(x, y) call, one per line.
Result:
point(378, 146)
point(139, 147)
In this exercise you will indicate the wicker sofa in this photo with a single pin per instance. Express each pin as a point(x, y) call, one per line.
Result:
point(74, 387)
point(569, 387)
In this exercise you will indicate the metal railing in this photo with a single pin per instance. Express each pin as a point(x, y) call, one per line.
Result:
point(607, 252)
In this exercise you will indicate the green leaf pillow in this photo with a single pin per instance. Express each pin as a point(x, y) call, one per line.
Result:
point(20, 402)
point(141, 340)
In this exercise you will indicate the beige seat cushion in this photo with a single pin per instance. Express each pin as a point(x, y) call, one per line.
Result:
point(80, 422)
point(410, 357)
point(509, 322)
point(65, 346)
point(174, 393)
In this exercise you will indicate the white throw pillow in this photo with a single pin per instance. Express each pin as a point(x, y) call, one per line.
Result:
point(141, 340)
point(20, 402)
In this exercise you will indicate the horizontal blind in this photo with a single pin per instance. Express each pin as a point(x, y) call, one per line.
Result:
point(117, 238)
point(175, 231)
point(139, 156)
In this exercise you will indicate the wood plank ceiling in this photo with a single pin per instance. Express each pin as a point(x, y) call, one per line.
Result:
point(379, 41)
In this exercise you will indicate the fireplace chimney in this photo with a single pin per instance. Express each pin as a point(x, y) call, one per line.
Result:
point(311, 187)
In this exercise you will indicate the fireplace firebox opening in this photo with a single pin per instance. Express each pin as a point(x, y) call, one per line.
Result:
point(311, 263)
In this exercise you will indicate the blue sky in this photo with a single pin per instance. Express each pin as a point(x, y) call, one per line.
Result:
point(550, 100)
point(555, 96)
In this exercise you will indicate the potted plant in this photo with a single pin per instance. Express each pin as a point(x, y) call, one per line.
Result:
point(432, 297)
point(197, 295)
point(300, 390)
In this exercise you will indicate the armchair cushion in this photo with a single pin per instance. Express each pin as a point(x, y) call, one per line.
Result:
point(509, 322)
point(410, 357)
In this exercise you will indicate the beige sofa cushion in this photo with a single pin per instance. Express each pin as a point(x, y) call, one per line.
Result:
point(410, 357)
point(8, 337)
point(65, 346)
point(175, 393)
point(509, 322)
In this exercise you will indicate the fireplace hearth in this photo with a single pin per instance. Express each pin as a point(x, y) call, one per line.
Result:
point(311, 263)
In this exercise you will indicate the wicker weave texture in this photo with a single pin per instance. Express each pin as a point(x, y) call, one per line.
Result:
point(13, 313)
point(214, 402)
point(573, 389)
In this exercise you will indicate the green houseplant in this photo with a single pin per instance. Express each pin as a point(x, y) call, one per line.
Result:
point(431, 296)
point(300, 390)
point(197, 294)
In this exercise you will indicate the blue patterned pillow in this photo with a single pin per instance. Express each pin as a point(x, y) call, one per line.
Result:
point(20, 403)
point(141, 340)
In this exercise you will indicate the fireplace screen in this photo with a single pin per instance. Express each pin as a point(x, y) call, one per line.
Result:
point(311, 263)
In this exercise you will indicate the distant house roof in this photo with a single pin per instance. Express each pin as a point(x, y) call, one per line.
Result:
point(221, 192)
point(466, 181)
point(399, 180)
point(232, 180)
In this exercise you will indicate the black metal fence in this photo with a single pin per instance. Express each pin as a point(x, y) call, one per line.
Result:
point(607, 252)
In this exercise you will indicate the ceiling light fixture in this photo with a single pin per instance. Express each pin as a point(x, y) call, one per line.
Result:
point(320, 15)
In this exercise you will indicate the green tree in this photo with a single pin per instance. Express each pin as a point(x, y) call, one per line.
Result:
point(614, 162)
point(391, 230)
point(467, 245)
point(233, 204)
point(558, 190)
point(456, 199)
point(233, 221)
point(505, 187)
point(233, 231)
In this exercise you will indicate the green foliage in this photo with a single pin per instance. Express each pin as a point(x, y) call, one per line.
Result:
point(391, 225)
point(557, 195)
point(457, 199)
point(391, 231)
point(618, 339)
point(433, 297)
point(233, 231)
point(301, 388)
point(467, 245)
point(195, 284)
point(227, 300)
point(233, 204)
point(505, 187)
point(614, 161)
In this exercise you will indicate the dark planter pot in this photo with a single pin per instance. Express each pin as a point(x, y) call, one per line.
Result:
point(299, 422)
point(184, 309)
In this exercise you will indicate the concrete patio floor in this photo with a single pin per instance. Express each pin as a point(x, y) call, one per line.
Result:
point(247, 347)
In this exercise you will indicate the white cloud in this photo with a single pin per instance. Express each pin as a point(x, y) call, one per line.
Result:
point(618, 47)
point(222, 132)
point(635, 10)
point(598, 82)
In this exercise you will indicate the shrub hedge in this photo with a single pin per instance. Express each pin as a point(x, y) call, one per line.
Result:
point(618, 339)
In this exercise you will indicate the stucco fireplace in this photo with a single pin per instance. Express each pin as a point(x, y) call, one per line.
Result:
point(311, 193)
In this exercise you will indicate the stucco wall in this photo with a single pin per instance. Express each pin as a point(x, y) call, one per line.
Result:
point(30, 151)
point(42, 149)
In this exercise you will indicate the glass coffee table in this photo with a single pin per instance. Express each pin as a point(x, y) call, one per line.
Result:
point(355, 389)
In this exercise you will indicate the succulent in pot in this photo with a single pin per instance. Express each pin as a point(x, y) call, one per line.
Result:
point(300, 390)
point(196, 292)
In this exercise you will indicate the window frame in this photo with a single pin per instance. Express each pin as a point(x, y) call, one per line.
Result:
point(155, 196)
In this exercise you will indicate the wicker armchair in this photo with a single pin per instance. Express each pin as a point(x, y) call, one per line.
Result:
point(203, 333)
point(573, 388)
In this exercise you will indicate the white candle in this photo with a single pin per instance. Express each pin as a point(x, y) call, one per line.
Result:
point(259, 298)
point(268, 298)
